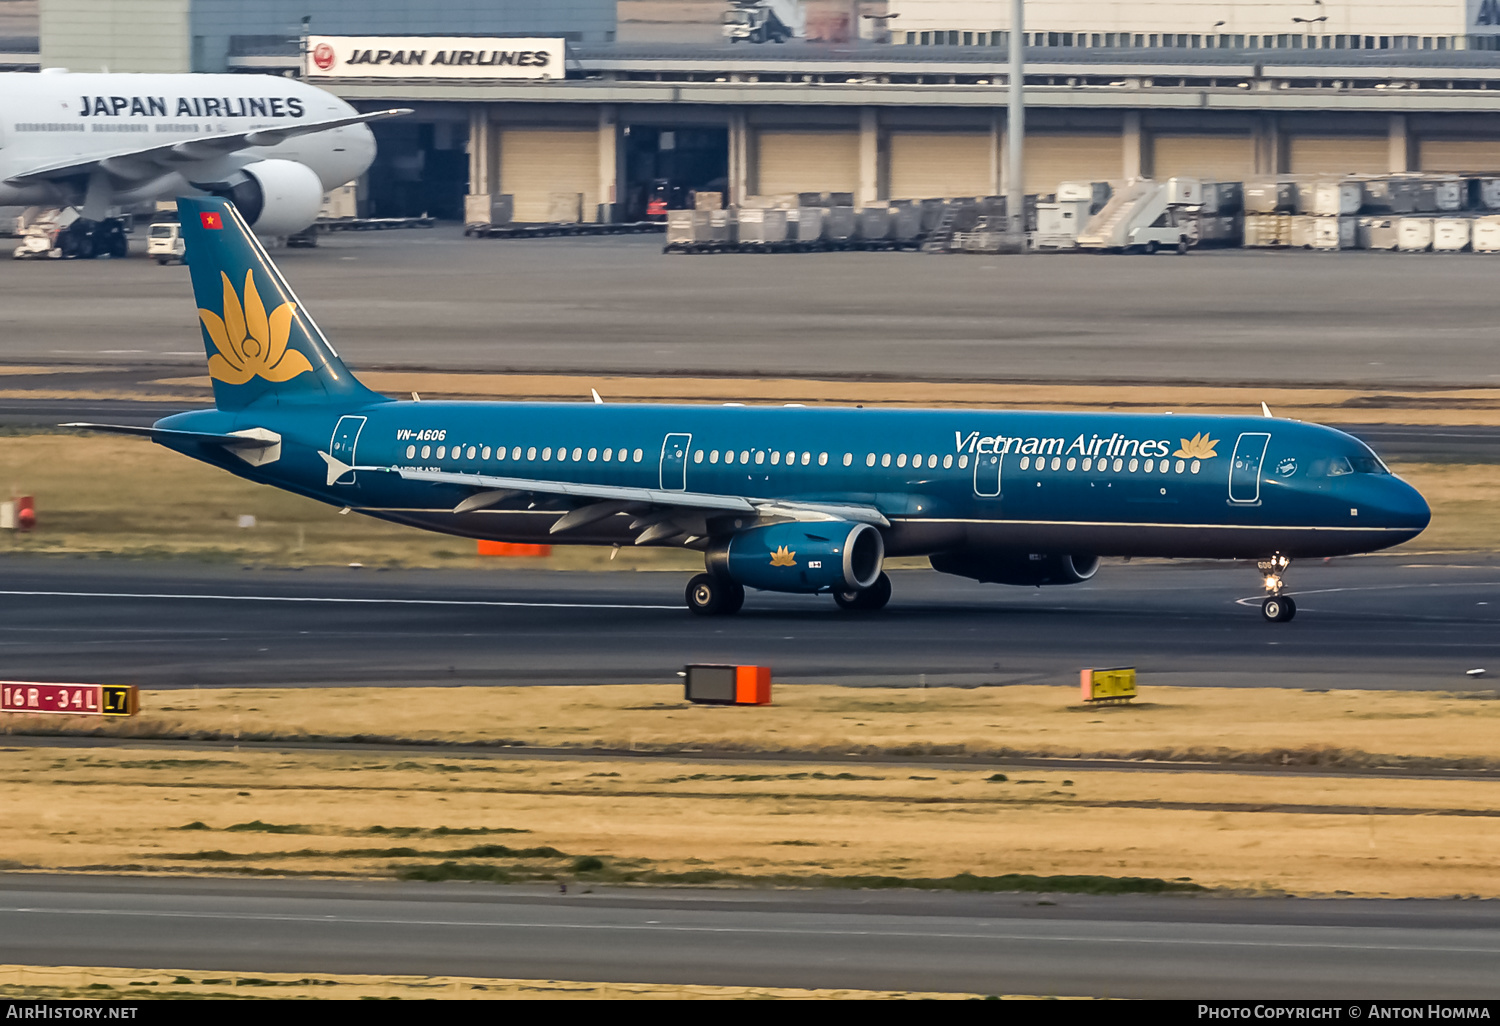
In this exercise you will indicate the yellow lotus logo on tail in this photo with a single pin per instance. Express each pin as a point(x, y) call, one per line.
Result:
point(250, 344)
point(1199, 447)
point(782, 557)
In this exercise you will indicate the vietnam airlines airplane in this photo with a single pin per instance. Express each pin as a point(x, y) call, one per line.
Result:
point(784, 499)
point(273, 145)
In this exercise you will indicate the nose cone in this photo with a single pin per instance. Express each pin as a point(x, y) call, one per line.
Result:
point(1402, 506)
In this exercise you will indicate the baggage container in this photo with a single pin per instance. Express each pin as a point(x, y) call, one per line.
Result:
point(906, 221)
point(1335, 233)
point(719, 226)
point(1486, 234)
point(932, 213)
point(810, 199)
point(804, 224)
point(1452, 234)
point(1183, 191)
point(1337, 199)
point(1488, 190)
point(681, 226)
point(1269, 197)
point(1060, 222)
point(1376, 233)
point(1097, 194)
point(1448, 194)
point(838, 224)
point(1263, 231)
point(1223, 197)
point(708, 200)
point(564, 207)
point(1414, 234)
point(762, 227)
point(838, 199)
point(1303, 226)
point(875, 223)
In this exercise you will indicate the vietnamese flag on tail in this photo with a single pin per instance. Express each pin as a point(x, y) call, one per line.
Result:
point(211, 219)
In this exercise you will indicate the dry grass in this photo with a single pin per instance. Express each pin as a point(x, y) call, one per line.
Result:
point(126, 496)
point(90, 983)
point(1249, 725)
point(372, 815)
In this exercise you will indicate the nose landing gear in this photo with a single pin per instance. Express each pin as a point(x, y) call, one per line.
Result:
point(1277, 608)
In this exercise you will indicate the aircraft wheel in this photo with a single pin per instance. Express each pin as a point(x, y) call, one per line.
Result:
point(867, 601)
point(734, 597)
point(1278, 610)
point(708, 595)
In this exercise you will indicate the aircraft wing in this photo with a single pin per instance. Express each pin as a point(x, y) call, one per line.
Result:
point(150, 161)
point(663, 513)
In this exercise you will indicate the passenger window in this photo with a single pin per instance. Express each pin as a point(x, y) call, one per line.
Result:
point(1056, 463)
point(697, 456)
point(609, 454)
point(822, 459)
point(562, 454)
point(620, 456)
point(1180, 466)
point(1088, 462)
point(791, 458)
point(806, 458)
point(713, 457)
point(870, 460)
point(638, 455)
point(470, 453)
point(546, 454)
point(728, 456)
point(1118, 464)
point(442, 451)
point(515, 453)
point(848, 459)
point(760, 457)
point(901, 460)
point(885, 460)
point(916, 461)
point(426, 451)
point(932, 462)
point(1072, 463)
point(745, 456)
point(963, 461)
point(577, 454)
point(411, 451)
point(1150, 465)
point(594, 454)
point(775, 458)
point(1133, 465)
point(948, 461)
point(1025, 462)
point(484, 453)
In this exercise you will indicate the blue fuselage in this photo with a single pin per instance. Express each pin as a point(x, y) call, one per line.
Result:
point(1102, 484)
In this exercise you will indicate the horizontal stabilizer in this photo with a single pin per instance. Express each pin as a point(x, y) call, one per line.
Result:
point(260, 440)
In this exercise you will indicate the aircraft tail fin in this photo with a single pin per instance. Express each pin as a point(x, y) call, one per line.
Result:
point(263, 346)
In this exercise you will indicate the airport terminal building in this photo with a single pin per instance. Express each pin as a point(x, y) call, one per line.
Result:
point(884, 99)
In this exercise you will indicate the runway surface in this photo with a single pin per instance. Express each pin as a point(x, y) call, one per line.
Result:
point(1374, 622)
point(618, 304)
point(990, 944)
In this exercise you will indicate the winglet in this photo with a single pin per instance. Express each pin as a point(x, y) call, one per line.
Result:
point(595, 393)
point(1265, 409)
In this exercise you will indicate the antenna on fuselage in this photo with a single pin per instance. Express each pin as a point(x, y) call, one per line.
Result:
point(595, 393)
point(1264, 408)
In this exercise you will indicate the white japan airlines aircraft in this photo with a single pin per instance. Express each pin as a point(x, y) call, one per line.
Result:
point(272, 145)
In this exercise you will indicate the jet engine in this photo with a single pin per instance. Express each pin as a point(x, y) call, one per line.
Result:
point(1023, 568)
point(277, 197)
point(803, 556)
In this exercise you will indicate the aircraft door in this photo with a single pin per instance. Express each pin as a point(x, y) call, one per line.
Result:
point(1244, 468)
point(345, 439)
point(987, 474)
point(674, 450)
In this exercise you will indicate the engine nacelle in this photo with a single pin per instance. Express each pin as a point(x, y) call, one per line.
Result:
point(1023, 568)
point(277, 197)
point(803, 556)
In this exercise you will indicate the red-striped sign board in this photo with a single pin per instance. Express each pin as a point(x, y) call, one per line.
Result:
point(19, 696)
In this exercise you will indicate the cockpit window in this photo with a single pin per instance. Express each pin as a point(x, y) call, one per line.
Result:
point(1339, 466)
point(1368, 465)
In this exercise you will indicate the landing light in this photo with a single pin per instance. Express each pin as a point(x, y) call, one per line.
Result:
point(1272, 582)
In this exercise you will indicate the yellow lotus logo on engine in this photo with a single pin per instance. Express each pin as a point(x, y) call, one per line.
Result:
point(782, 557)
point(1199, 447)
point(250, 344)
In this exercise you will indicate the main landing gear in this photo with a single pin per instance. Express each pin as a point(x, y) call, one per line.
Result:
point(867, 600)
point(1277, 608)
point(708, 595)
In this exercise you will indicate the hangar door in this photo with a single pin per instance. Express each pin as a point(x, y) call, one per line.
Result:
point(1054, 159)
point(1460, 155)
point(927, 165)
point(1217, 158)
point(537, 162)
point(1309, 155)
point(807, 162)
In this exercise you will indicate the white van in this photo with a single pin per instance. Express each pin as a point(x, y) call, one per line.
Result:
point(164, 242)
